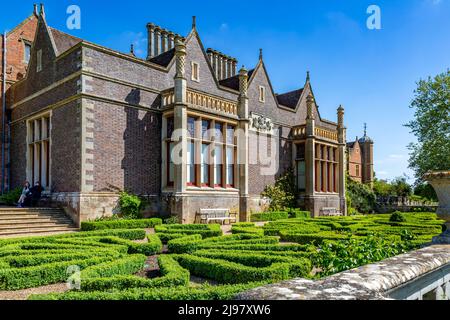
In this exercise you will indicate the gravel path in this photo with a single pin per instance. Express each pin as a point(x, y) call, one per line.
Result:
point(24, 294)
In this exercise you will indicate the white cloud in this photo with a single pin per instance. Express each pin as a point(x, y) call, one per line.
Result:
point(223, 27)
point(396, 156)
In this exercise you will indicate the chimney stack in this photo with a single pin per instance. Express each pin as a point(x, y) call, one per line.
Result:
point(224, 66)
point(160, 40)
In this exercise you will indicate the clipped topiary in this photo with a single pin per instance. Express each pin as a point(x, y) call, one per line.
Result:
point(397, 216)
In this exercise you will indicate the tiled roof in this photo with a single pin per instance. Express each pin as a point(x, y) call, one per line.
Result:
point(290, 99)
point(233, 82)
point(164, 58)
point(63, 41)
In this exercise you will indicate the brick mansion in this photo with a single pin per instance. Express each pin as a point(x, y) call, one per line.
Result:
point(88, 121)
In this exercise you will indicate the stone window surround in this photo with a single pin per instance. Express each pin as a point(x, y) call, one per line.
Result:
point(195, 76)
point(29, 170)
point(39, 60)
point(262, 94)
point(25, 44)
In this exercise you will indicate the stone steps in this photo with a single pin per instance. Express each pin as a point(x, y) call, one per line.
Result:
point(33, 222)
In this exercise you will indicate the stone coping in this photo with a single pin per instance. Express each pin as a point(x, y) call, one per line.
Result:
point(370, 282)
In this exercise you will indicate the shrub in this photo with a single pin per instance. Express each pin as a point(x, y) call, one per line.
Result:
point(361, 197)
point(397, 216)
point(315, 238)
point(335, 257)
point(172, 220)
point(126, 265)
point(30, 277)
point(11, 198)
point(184, 244)
point(120, 224)
point(270, 216)
point(166, 237)
point(228, 272)
point(295, 214)
point(153, 246)
point(283, 194)
point(205, 292)
point(130, 206)
point(205, 230)
point(299, 267)
point(254, 230)
point(172, 274)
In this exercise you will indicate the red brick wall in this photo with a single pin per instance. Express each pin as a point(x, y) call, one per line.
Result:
point(127, 149)
point(355, 159)
point(16, 67)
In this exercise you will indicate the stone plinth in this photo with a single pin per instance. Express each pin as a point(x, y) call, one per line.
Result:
point(440, 181)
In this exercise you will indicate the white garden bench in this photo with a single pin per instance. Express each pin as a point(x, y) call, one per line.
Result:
point(329, 212)
point(222, 215)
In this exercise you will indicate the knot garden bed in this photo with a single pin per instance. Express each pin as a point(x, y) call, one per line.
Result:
point(110, 258)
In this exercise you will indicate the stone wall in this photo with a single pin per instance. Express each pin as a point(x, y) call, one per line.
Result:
point(370, 282)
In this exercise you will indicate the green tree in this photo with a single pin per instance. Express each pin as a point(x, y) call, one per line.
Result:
point(426, 191)
point(362, 197)
point(382, 188)
point(400, 187)
point(283, 194)
point(431, 125)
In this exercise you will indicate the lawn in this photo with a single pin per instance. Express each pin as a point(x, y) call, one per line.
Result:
point(113, 257)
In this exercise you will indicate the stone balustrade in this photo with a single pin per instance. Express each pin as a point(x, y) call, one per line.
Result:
point(205, 101)
point(326, 134)
point(299, 132)
point(418, 275)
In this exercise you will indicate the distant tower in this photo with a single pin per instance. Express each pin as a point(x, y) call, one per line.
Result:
point(366, 144)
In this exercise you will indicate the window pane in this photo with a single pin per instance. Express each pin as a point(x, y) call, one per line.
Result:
point(204, 164)
point(170, 127)
point(230, 134)
point(301, 171)
point(27, 53)
point(230, 166)
point(191, 163)
point(171, 177)
point(205, 128)
point(218, 161)
point(218, 132)
point(191, 126)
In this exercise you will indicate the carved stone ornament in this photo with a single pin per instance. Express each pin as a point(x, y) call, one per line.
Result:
point(261, 124)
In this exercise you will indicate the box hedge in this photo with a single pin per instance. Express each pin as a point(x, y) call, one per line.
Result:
point(172, 274)
point(120, 224)
point(205, 292)
point(228, 272)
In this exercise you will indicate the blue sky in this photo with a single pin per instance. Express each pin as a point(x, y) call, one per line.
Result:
point(371, 72)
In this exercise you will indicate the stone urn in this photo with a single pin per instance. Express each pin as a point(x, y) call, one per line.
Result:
point(440, 181)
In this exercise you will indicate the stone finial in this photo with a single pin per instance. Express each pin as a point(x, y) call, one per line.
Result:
point(243, 82)
point(42, 10)
point(365, 129)
point(309, 107)
point(308, 78)
point(260, 54)
point(35, 10)
point(132, 50)
point(180, 52)
point(341, 116)
point(194, 22)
